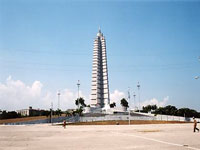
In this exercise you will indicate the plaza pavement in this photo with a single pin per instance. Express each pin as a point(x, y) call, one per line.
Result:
point(99, 137)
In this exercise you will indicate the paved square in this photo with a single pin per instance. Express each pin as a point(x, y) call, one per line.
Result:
point(107, 137)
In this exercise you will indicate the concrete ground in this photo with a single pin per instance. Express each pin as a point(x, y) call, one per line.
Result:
point(106, 137)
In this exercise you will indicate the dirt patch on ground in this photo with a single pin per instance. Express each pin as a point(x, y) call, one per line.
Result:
point(122, 122)
point(147, 131)
point(3, 121)
point(22, 119)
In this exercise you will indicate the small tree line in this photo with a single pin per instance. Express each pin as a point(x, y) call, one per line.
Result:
point(171, 110)
point(13, 114)
point(8, 115)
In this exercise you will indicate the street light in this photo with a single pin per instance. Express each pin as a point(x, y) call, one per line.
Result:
point(138, 86)
point(78, 85)
point(129, 97)
point(58, 99)
point(197, 77)
point(51, 113)
point(134, 99)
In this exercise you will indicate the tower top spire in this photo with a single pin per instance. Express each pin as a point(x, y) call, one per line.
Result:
point(99, 29)
point(99, 32)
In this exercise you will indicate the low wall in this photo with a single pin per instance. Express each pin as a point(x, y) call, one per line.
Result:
point(113, 117)
point(74, 119)
point(173, 118)
point(126, 117)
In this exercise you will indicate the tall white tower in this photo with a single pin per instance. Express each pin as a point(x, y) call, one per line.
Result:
point(100, 97)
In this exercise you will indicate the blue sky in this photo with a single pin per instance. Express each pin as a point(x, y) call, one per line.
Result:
point(153, 42)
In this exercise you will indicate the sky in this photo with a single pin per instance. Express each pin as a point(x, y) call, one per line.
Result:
point(47, 46)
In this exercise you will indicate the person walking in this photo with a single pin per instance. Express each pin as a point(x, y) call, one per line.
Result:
point(64, 124)
point(195, 125)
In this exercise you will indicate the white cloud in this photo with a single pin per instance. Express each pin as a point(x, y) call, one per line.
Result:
point(15, 94)
point(36, 88)
point(116, 96)
point(67, 98)
point(154, 101)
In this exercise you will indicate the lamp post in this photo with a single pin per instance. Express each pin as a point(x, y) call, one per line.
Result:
point(58, 99)
point(51, 113)
point(197, 77)
point(134, 99)
point(78, 85)
point(138, 86)
point(129, 97)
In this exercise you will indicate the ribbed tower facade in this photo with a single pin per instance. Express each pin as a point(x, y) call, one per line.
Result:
point(100, 87)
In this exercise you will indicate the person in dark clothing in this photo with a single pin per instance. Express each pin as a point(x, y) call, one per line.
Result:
point(64, 124)
point(195, 125)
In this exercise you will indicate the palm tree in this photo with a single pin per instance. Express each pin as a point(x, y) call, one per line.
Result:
point(112, 105)
point(80, 101)
point(124, 103)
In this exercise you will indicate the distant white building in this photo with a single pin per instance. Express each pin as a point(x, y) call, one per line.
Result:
point(23, 112)
point(29, 112)
point(100, 97)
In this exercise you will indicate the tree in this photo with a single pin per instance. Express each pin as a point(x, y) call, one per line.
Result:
point(58, 112)
point(78, 111)
point(124, 103)
point(112, 105)
point(80, 101)
point(9, 115)
point(170, 110)
point(160, 110)
point(187, 112)
point(149, 108)
point(46, 113)
point(67, 113)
